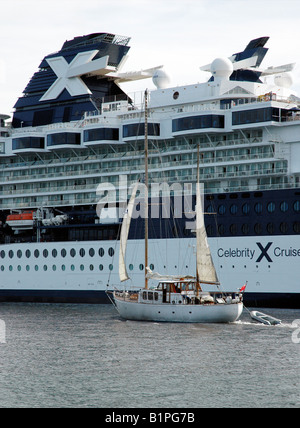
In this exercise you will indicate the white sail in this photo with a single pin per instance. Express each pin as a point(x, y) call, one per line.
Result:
point(206, 272)
point(124, 235)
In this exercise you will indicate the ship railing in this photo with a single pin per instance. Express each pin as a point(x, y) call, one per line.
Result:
point(71, 199)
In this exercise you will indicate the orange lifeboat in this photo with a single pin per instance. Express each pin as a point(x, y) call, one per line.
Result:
point(21, 221)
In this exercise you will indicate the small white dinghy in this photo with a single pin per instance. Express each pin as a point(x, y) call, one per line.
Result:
point(264, 318)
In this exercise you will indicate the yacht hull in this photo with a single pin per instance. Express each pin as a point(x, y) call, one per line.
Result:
point(217, 313)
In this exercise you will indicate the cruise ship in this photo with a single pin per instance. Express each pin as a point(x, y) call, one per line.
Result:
point(74, 147)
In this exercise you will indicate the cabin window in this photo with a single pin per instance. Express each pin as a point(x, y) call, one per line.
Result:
point(99, 134)
point(28, 143)
point(63, 138)
point(197, 122)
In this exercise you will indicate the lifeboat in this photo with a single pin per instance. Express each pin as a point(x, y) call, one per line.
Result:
point(21, 221)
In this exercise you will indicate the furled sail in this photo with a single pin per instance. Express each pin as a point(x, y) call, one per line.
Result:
point(206, 272)
point(175, 278)
point(124, 235)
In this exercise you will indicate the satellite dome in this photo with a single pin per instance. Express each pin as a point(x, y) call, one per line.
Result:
point(222, 68)
point(285, 80)
point(160, 79)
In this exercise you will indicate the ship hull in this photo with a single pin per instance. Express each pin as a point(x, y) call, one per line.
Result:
point(57, 272)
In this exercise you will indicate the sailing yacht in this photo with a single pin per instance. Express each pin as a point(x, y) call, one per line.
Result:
point(176, 298)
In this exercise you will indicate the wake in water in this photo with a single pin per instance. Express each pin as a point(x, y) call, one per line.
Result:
point(253, 323)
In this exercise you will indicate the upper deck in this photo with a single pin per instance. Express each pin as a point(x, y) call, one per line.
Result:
point(244, 118)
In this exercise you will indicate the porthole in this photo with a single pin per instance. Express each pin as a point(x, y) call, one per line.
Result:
point(72, 252)
point(63, 252)
point(131, 266)
point(245, 229)
point(271, 207)
point(10, 254)
point(284, 206)
point(54, 253)
point(176, 95)
point(10, 268)
point(2, 268)
point(246, 209)
point(82, 252)
point(19, 254)
point(258, 208)
point(27, 268)
point(27, 253)
point(45, 253)
point(111, 267)
point(151, 266)
point(36, 268)
point(258, 228)
point(111, 251)
point(45, 267)
point(284, 227)
point(141, 266)
point(100, 267)
point(222, 209)
point(72, 268)
point(233, 229)
point(54, 268)
point(19, 268)
point(63, 267)
point(296, 227)
point(296, 206)
point(36, 253)
point(221, 229)
point(2, 253)
point(271, 228)
point(101, 252)
point(82, 267)
point(233, 209)
point(91, 267)
point(91, 252)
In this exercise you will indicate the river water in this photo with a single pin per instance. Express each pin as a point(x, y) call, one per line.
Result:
point(86, 356)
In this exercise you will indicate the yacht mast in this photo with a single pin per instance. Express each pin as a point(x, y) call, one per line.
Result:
point(146, 187)
point(198, 286)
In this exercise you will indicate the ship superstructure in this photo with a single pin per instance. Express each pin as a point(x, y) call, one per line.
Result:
point(75, 133)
